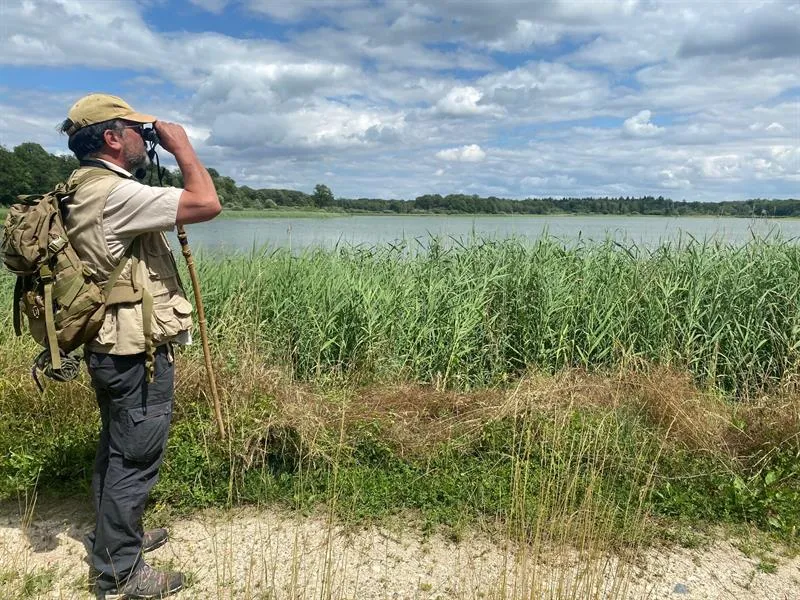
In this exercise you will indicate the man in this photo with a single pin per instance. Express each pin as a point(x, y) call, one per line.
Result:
point(111, 219)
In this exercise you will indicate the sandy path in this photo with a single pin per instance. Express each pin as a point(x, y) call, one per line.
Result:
point(267, 554)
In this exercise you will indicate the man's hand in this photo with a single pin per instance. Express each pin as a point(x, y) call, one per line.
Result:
point(198, 201)
point(172, 137)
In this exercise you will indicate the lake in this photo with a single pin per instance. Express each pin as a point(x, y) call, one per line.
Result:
point(232, 235)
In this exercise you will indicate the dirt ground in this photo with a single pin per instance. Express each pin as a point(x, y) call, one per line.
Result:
point(269, 554)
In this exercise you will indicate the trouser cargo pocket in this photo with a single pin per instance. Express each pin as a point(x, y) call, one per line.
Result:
point(145, 432)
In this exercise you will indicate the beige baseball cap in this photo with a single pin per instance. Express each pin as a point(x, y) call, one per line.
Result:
point(96, 108)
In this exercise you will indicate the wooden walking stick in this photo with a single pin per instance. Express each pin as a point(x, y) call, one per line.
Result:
point(201, 317)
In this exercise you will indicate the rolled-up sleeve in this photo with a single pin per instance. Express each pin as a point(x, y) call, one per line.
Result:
point(133, 208)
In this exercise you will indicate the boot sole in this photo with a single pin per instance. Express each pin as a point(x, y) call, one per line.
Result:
point(155, 546)
point(121, 596)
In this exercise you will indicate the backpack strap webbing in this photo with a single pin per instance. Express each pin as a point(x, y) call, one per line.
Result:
point(147, 327)
point(112, 278)
point(18, 286)
point(46, 276)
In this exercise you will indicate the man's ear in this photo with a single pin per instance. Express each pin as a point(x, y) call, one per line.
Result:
point(113, 139)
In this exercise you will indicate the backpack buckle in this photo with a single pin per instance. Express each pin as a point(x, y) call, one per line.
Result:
point(45, 274)
point(57, 245)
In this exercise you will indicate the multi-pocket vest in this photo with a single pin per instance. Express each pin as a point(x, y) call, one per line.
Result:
point(147, 305)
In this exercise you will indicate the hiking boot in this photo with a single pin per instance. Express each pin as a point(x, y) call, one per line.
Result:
point(152, 539)
point(146, 582)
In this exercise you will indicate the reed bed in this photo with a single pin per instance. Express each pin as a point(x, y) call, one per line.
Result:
point(480, 314)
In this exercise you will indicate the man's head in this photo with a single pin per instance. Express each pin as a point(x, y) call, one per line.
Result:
point(105, 126)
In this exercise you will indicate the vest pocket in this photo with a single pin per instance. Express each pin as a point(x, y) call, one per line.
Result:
point(146, 431)
point(107, 336)
point(172, 316)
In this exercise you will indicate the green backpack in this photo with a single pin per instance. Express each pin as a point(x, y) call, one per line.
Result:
point(55, 290)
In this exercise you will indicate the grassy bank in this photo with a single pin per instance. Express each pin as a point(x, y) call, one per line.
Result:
point(622, 458)
point(595, 394)
point(283, 213)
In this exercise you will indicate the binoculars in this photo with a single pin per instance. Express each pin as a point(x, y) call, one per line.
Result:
point(149, 134)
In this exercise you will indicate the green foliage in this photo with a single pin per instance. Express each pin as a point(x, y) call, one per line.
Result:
point(35, 584)
point(30, 169)
point(482, 313)
point(196, 474)
point(44, 454)
point(763, 490)
point(322, 196)
point(559, 470)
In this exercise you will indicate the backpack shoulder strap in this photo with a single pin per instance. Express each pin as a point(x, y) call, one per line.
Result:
point(17, 307)
point(133, 249)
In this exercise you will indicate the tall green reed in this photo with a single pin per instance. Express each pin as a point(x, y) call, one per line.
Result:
point(480, 313)
point(477, 314)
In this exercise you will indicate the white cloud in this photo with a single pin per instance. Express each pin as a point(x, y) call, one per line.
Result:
point(546, 91)
point(672, 179)
point(555, 181)
point(324, 126)
point(639, 126)
point(527, 33)
point(471, 153)
point(463, 102)
point(720, 167)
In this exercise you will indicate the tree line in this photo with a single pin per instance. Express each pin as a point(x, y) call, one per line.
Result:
point(29, 169)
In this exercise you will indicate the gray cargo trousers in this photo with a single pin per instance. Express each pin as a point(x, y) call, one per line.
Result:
point(135, 418)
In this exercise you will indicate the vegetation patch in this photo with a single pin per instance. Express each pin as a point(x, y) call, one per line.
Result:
point(550, 460)
point(547, 392)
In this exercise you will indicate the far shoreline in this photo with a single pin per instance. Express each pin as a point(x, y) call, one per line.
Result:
point(310, 213)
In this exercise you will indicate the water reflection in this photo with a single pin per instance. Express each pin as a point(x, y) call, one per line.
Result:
point(245, 235)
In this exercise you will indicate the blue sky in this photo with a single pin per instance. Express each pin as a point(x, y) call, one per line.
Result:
point(394, 98)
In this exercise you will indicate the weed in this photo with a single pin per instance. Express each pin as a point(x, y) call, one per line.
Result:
point(36, 583)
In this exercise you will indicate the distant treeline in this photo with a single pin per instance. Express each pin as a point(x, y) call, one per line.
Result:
point(29, 168)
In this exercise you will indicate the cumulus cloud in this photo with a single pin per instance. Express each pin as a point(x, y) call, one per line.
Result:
point(464, 101)
point(719, 167)
point(325, 126)
point(557, 181)
point(545, 91)
point(471, 153)
point(673, 179)
point(639, 126)
point(526, 34)
point(772, 34)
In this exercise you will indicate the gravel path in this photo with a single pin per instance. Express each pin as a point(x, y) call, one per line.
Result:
point(267, 554)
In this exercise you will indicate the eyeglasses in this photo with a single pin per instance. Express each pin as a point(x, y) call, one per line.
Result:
point(148, 134)
point(138, 128)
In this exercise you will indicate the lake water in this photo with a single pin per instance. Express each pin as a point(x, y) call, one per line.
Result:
point(231, 235)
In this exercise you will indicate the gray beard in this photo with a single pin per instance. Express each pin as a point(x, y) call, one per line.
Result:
point(137, 162)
